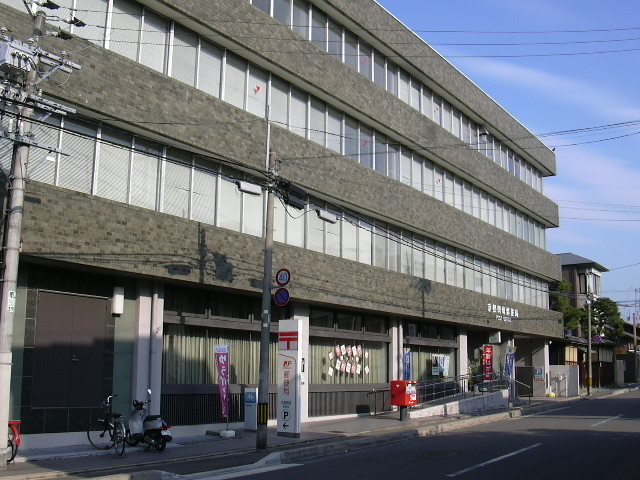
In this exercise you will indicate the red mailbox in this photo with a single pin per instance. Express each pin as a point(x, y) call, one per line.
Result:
point(403, 393)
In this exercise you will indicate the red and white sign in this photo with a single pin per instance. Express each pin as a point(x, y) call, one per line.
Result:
point(487, 363)
point(283, 277)
point(288, 340)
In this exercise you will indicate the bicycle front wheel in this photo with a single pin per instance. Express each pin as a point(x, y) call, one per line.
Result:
point(119, 436)
point(100, 434)
point(12, 444)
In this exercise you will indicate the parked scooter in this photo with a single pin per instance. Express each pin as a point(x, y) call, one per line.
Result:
point(149, 429)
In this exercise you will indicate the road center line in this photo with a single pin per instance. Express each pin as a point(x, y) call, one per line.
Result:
point(606, 420)
point(544, 412)
point(493, 460)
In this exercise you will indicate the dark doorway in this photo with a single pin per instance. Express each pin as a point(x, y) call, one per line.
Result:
point(69, 356)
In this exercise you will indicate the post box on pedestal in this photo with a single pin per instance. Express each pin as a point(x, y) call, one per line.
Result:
point(403, 393)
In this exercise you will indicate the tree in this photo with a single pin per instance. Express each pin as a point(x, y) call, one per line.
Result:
point(606, 320)
point(573, 317)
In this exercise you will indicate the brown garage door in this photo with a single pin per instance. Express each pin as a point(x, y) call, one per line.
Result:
point(70, 350)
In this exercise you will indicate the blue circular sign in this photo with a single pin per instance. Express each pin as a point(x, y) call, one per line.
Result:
point(281, 297)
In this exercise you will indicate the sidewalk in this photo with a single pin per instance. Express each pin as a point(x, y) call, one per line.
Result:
point(318, 439)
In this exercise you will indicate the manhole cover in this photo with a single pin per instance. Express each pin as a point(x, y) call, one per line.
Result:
point(439, 454)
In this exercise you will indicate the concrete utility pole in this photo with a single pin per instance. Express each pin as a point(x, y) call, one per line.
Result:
point(635, 338)
point(589, 366)
point(265, 329)
point(13, 236)
point(20, 64)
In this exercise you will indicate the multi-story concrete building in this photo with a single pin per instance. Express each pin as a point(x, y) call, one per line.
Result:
point(437, 193)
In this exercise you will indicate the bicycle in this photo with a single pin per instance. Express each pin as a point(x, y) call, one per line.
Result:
point(14, 439)
point(108, 432)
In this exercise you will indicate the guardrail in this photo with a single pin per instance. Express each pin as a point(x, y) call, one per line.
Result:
point(437, 391)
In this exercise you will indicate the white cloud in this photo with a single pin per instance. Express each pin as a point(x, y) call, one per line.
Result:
point(565, 90)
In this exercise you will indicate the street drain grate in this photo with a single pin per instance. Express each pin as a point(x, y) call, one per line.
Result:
point(439, 454)
point(335, 431)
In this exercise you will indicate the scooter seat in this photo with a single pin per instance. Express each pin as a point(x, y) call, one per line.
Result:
point(153, 417)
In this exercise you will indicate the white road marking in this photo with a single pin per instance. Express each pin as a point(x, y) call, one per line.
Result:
point(493, 460)
point(545, 412)
point(242, 472)
point(606, 420)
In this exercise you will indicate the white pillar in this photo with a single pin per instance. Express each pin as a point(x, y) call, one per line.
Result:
point(396, 355)
point(540, 358)
point(147, 346)
point(155, 355)
point(142, 341)
point(462, 354)
point(301, 312)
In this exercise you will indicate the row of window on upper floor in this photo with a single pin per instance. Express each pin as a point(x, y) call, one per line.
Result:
point(316, 26)
point(228, 76)
point(130, 169)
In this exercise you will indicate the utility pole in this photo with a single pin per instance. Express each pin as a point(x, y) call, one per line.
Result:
point(12, 237)
point(635, 338)
point(589, 366)
point(265, 328)
point(20, 64)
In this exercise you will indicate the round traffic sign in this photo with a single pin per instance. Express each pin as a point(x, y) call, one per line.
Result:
point(281, 297)
point(283, 277)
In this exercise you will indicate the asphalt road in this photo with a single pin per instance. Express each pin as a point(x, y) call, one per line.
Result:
point(591, 439)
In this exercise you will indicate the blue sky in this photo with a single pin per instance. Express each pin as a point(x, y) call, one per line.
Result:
point(597, 182)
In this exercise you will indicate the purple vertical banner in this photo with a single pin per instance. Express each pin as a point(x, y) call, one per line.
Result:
point(222, 367)
point(407, 365)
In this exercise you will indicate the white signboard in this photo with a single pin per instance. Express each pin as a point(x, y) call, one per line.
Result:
point(289, 364)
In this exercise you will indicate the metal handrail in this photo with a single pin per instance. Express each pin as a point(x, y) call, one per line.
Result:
point(454, 386)
point(526, 385)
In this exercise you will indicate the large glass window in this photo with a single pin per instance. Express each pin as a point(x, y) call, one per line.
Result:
point(361, 362)
point(335, 39)
point(42, 163)
point(351, 138)
point(184, 363)
point(282, 11)
point(76, 170)
point(366, 67)
point(264, 5)
point(351, 50)
point(257, 91)
point(332, 238)
point(154, 41)
point(298, 112)
point(316, 118)
point(301, 18)
point(379, 71)
point(319, 29)
point(364, 242)
point(279, 111)
point(94, 14)
point(124, 35)
point(392, 77)
point(183, 57)
point(177, 183)
point(334, 130)
point(144, 173)
point(366, 146)
point(235, 80)
point(230, 202)
point(252, 214)
point(204, 192)
point(210, 68)
point(113, 165)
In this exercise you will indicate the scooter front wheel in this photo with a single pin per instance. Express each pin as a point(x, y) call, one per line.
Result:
point(161, 445)
point(132, 442)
